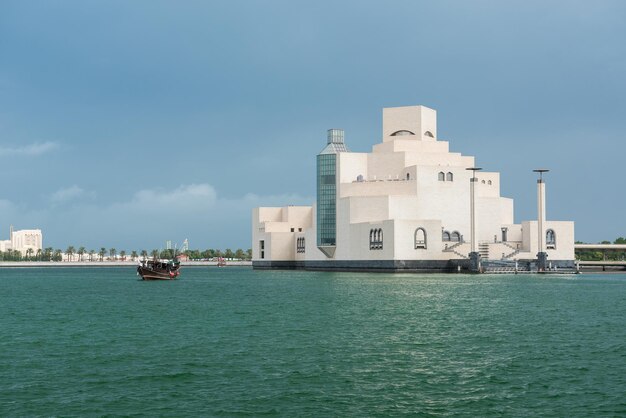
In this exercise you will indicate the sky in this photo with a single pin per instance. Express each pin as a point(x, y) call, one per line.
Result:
point(129, 123)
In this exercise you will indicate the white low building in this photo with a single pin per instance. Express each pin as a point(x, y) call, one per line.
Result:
point(406, 206)
point(23, 240)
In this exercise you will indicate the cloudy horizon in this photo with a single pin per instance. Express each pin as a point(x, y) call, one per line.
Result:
point(128, 124)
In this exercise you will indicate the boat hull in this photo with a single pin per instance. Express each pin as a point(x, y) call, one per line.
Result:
point(150, 274)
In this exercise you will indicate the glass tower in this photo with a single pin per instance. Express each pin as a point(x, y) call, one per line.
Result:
point(327, 192)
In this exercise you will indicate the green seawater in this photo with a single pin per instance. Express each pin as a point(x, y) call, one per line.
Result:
point(238, 342)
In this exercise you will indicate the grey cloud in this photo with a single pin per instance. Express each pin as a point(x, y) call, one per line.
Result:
point(37, 148)
point(147, 218)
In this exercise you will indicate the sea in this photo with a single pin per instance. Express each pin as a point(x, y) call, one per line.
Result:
point(238, 342)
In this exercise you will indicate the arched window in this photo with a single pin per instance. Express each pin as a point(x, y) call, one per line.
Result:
point(489, 182)
point(402, 133)
point(376, 239)
point(359, 178)
point(408, 176)
point(442, 176)
point(550, 239)
point(483, 182)
point(420, 238)
point(428, 133)
point(300, 247)
point(445, 236)
point(456, 237)
point(449, 176)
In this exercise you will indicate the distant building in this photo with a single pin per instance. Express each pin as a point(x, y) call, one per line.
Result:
point(403, 207)
point(23, 240)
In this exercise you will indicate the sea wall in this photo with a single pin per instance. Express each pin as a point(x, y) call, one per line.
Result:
point(31, 264)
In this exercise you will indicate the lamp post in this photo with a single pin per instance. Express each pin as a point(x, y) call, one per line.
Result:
point(473, 255)
point(542, 256)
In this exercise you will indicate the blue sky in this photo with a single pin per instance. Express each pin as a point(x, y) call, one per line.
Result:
point(126, 124)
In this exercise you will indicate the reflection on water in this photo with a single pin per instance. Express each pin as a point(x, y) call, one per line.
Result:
point(234, 341)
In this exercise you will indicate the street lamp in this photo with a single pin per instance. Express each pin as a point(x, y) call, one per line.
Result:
point(542, 256)
point(473, 255)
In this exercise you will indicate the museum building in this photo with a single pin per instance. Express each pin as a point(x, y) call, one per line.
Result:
point(409, 205)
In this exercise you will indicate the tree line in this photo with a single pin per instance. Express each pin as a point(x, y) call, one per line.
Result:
point(598, 255)
point(82, 254)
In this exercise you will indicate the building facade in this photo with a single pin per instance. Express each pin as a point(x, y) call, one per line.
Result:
point(23, 241)
point(405, 206)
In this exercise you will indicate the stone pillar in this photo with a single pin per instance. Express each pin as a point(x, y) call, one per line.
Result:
point(542, 256)
point(475, 266)
point(474, 255)
point(473, 214)
point(542, 261)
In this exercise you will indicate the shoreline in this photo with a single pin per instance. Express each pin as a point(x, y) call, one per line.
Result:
point(61, 264)
point(133, 264)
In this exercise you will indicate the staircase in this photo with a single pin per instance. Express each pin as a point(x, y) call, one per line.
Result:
point(452, 249)
point(515, 252)
point(483, 249)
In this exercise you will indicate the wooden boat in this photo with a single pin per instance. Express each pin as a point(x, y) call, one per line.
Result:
point(159, 269)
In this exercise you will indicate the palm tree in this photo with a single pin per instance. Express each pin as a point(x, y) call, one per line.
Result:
point(48, 253)
point(58, 255)
point(70, 253)
point(169, 253)
point(91, 254)
point(144, 254)
point(29, 253)
point(155, 253)
point(133, 255)
point(123, 255)
point(81, 252)
point(112, 253)
point(39, 252)
point(102, 253)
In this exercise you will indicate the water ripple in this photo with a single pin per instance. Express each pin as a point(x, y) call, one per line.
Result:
point(236, 342)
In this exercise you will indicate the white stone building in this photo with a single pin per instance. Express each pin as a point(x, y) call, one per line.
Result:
point(23, 240)
point(403, 207)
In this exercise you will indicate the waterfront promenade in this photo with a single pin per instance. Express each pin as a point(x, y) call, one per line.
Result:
point(91, 264)
point(586, 266)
